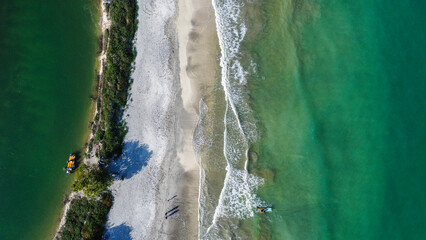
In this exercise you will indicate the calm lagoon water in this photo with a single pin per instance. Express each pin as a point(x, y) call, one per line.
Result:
point(47, 72)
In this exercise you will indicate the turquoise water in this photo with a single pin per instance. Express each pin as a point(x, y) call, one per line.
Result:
point(47, 60)
point(329, 98)
point(340, 95)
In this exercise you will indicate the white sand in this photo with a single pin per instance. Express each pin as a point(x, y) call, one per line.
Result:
point(158, 160)
point(151, 120)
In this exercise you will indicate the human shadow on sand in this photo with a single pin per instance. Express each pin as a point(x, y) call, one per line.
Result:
point(134, 157)
point(120, 232)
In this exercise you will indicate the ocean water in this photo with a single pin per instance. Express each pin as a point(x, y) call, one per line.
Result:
point(319, 111)
point(47, 72)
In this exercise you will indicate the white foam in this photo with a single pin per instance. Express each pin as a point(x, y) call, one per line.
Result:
point(200, 140)
point(237, 198)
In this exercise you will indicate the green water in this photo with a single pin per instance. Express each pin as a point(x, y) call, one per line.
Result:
point(340, 94)
point(47, 59)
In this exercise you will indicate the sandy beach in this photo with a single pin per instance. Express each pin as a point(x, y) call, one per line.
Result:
point(176, 45)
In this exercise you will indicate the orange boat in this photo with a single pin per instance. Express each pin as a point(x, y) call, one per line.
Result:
point(71, 163)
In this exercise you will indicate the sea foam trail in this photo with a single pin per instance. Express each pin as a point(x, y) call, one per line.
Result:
point(237, 198)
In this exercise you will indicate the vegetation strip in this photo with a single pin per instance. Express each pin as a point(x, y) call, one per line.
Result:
point(87, 215)
point(116, 81)
point(86, 218)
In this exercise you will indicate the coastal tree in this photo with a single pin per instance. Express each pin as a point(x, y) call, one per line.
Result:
point(93, 181)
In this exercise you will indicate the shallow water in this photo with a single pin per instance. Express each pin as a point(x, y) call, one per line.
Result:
point(47, 60)
point(337, 91)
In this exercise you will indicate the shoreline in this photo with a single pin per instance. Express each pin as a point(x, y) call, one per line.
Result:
point(104, 24)
point(198, 47)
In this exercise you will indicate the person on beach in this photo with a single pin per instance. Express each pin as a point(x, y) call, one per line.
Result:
point(171, 210)
point(175, 211)
point(172, 198)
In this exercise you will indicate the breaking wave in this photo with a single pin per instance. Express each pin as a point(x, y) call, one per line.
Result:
point(237, 198)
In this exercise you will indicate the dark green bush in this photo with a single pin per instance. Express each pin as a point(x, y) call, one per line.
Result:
point(86, 218)
point(93, 181)
point(120, 55)
point(99, 135)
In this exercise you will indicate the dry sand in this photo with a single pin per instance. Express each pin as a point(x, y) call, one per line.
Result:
point(176, 45)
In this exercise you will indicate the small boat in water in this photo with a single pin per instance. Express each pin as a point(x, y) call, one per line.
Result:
point(71, 163)
point(263, 209)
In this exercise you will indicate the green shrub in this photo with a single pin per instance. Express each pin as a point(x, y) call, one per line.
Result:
point(120, 55)
point(99, 135)
point(93, 181)
point(86, 218)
